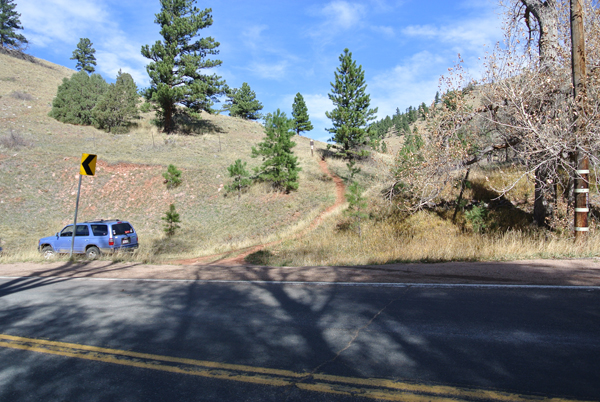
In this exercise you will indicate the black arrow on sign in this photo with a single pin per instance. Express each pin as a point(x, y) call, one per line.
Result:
point(86, 165)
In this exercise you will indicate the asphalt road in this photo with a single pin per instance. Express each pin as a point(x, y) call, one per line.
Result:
point(68, 339)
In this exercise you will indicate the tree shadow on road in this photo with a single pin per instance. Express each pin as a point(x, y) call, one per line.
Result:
point(405, 333)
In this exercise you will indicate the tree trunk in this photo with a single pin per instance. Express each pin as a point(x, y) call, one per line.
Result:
point(545, 197)
point(546, 14)
point(169, 126)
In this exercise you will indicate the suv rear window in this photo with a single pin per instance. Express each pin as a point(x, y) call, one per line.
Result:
point(121, 229)
point(99, 230)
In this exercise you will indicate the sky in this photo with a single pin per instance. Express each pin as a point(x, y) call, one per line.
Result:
point(284, 47)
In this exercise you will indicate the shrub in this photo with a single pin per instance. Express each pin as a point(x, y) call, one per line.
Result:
point(171, 219)
point(13, 141)
point(240, 177)
point(477, 217)
point(172, 176)
point(357, 205)
point(21, 95)
point(146, 107)
point(76, 97)
point(118, 105)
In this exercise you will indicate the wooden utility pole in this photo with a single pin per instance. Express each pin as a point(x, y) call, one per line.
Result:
point(581, 182)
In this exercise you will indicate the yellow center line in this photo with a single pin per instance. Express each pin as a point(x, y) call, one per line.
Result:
point(372, 388)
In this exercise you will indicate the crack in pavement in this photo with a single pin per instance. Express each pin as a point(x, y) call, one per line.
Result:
point(309, 376)
point(356, 334)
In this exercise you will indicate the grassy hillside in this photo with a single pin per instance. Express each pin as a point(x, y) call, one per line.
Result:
point(39, 173)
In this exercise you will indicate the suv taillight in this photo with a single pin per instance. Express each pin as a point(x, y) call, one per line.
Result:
point(111, 242)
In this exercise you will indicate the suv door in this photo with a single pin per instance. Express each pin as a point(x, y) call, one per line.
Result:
point(63, 244)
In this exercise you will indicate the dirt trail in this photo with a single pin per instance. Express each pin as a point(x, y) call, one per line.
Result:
point(236, 257)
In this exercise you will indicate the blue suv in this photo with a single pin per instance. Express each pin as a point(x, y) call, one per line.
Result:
point(91, 239)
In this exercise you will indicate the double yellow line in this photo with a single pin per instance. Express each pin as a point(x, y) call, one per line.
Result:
point(364, 387)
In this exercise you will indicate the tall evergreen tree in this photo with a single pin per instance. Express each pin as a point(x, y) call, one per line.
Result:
point(9, 23)
point(76, 97)
point(280, 166)
point(300, 114)
point(174, 71)
point(243, 103)
point(351, 115)
point(84, 54)
point(118, 106)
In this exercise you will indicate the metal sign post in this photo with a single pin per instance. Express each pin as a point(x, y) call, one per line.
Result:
point(87, 168)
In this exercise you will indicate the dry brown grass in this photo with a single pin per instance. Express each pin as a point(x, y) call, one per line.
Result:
point(423, 237)
point(433, 235)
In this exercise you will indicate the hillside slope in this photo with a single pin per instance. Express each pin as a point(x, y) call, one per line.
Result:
point(39, 176)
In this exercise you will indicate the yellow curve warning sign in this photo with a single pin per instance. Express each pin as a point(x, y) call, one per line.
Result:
point(88, 165)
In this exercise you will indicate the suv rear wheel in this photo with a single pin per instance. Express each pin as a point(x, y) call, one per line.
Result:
point(92, 253)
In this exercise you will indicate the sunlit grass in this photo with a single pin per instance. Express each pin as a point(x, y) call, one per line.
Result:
point(424, 237)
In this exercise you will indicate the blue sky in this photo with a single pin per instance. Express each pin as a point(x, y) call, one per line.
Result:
point(283, 47)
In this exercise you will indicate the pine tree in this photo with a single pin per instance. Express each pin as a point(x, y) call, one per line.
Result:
point(280, 166)
point(243, 103)
point(357, 205)
point(351, 115)
point(76, 97)
point(172, 176)
point(84, 54)
point(240, 177)
point(171, 219)
point(9, 23)
point(174, 71)
point(423, 110)
point(118, 106)
point(300, 115)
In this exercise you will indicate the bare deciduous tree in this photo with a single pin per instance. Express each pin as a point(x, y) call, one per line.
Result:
point(523, 104)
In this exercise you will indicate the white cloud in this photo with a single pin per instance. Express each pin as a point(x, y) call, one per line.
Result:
point(125, 59)
point(342, 14)
point(269, 70)
point(59, 24)
point(338, 16)
point(252, 35)
point(472, 34)
point(62, 20)
point(317, 105)
point(407, 84)
point(387, 31)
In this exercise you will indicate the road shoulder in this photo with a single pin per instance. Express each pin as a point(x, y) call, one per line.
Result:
point(576, 272)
